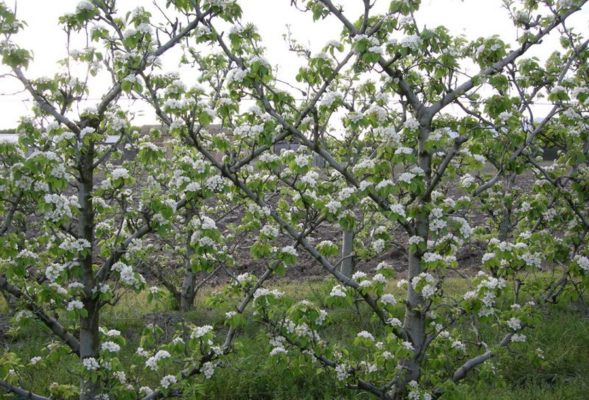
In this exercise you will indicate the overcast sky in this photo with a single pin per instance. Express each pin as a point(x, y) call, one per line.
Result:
point(44, 37)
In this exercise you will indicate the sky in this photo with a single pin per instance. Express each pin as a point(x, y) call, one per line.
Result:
point(473, 18)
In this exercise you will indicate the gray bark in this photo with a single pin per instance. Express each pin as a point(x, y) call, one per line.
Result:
point(89, 334)
point(414, 322)
point(89, 346)
point(505, 223)
point(188, 289)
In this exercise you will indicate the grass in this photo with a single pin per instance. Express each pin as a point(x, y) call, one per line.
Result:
point(564, 373)
point(248, 373)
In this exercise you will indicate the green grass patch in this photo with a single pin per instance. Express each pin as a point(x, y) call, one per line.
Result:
point(249, 373)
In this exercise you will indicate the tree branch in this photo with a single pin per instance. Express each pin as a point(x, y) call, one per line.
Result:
point(43, 103)
point(461, 372)
point(55, 327)
point(20, 392)
point(116, 90)
point(499, 65)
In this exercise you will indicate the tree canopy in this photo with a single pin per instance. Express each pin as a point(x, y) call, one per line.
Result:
point(424, 139)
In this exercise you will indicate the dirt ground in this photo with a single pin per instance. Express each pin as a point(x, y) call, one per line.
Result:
point(469, 257)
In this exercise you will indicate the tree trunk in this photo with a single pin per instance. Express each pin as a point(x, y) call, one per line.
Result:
point(415, 318)
point(347, 265)
point(10, 302)
point(414, 323)
point(89, 346)
point(506, 215)
point(505, 224)
point(188, 289)
point(89, 333)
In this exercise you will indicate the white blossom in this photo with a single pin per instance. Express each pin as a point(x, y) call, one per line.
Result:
point(75, 305)
point(290, 250)
point(412, 42)
point(487, 257)
point(263, 292)
point(168, 380)
point(518, 338)
point(415, 240)
point(378, 245)
point(358, 275)
point(411, 123)
point(398, 209)
point(341, 371)
point(278, 350)
point(302, 160)
point(35, 360)
point(90, 364)
point(338, 291)
point(111, 347)
point(329, 98)
point(141, 352)
point(514, 324)
point(152, 362)
point(457, 344)
point(406, 177)
point(120, 173)
point(333, 206)
point(388, 298)
point(346, 193)
point(208, 369)
point(582, 262)
point(84, 5)
point(215, 183)
point(201, 331)
point(408, 346)
point(87, 130)
point(310, 178)
point(532, 260)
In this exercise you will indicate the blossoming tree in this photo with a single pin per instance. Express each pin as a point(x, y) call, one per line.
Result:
point(421, 132)
point(194, 248)
point(417, 124)
point(73, 220)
